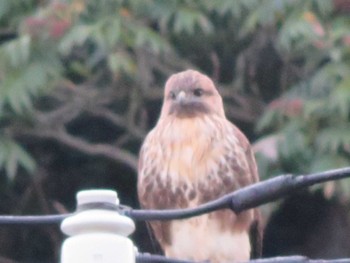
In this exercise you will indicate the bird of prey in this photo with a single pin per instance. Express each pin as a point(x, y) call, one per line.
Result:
point(194, 155)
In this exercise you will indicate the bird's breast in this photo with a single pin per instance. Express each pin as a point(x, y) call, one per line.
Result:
point(189, 162)
point(190, 147)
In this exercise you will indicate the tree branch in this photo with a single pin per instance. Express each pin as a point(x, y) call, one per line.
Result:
point(113, 153)
point(116, 120)
point(59, 116)
point(7, 260)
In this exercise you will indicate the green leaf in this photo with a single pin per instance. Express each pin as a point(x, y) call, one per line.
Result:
point(11, 164)
point(35, 77)
point(113, 30)
point(315, 109)
point(327, 162)
point(5, 7)
point(25, 160)
point(75, 37)
point(332, 139)
point(323, 7)
point(12, 155)
point(121, 62)
point(3, 152)
point(267, 120)
point(18, 51)
point(186, 21)
point(146, 37)
point(339, 101)
point(14, 97)
point(295, 30)
point(295, 141)
point(20, 86)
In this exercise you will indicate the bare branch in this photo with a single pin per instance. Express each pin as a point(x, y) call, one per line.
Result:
point(237, 113)
point(7, 260)
point(215, 61)
point(113, 153)
point(116, 120)
point(145, 76)
point(59, 116)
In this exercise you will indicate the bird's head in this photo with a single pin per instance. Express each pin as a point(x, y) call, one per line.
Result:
point(190, 94)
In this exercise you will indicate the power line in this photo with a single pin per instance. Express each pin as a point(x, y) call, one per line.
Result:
point(247, 197)
point(238, 201)
point(32, 220)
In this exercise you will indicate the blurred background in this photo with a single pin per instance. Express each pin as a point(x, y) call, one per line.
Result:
point(81, 83)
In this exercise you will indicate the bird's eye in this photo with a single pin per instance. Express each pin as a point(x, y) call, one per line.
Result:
point(172, 95)
point(198, 92)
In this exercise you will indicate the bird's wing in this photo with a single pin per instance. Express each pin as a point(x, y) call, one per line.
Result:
point(256, 229)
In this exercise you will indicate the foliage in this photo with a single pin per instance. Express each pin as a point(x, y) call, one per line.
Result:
point(76, 43)
point(66, 49)
point(81, 81)
point(313, 113)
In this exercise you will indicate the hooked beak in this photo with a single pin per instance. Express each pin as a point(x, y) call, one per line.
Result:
point(186, 106)
point(181, 96)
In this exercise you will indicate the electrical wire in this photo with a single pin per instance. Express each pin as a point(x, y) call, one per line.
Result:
point(247, 197)
point(242, 199)
point(148, 258)
point(32, 220)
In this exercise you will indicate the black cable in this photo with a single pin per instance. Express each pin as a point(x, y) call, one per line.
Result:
point(247, 197)
point(242, 199)
point(56, 219)
point(298, 259)
point(225, 202)
point(32, 220)
point(285, 259)
point(148, 258)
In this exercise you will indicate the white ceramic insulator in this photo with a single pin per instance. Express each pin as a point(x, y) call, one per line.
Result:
point(101, 196)
point(97, 235)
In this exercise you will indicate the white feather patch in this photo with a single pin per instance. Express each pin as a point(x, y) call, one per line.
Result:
point(201, 238)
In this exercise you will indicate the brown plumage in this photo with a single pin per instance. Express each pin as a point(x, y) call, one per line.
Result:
point(194, 155)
